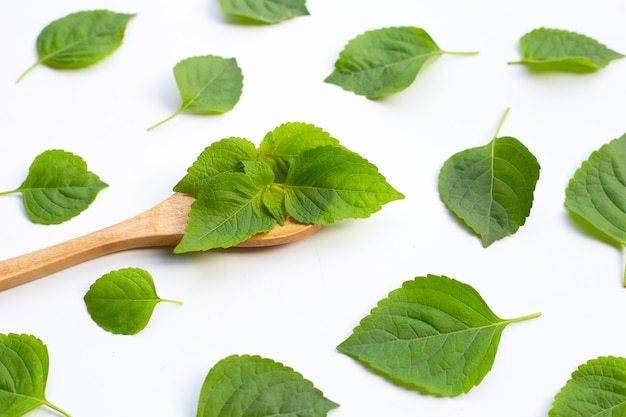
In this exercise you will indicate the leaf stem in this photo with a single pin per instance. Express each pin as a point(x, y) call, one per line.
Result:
point(460, 53)
point(9, 192)
point(506, 113)
point(524, 318)
point(29, 69)
point(57, 409)
point(180, 303)
point(179, 111)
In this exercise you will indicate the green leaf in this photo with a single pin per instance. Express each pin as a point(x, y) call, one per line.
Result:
point(435, 334)
point(123, 301)
point(265, 11)
point(58, 187)
point(597, 388)
point(280, 146)
point(560, 50)
point(80, 39)
point(207, 84)
point(490, 187)
point(228, 211)
point(384, 61)
point(244, 385)
point(221, 157)
point(24, 366)
point(331, 183)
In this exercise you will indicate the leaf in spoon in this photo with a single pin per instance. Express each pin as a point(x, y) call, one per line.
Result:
point(434, 333)
point(384, 61)
point(207, 84)
point(122, 301)
point(245, 385)
point(596, 388)
point(24, 366)
point(80, 39)
point(490, 187)
point(265, 11)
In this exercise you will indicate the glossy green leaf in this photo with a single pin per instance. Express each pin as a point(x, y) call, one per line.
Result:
point(24, 366)
point(80, 39)
point(435, 334)
point(384, 61)
point(122, 301)
point(561, 50)
point(245, 386)
point(490, 187)
point(58, 187)
point(207, 84)
point(596, 389)
point(265, 11)
point(330, 183)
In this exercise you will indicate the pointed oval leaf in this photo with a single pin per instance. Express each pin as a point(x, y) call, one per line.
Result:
point(24, 366)
point(435, 333)
point(122, 301)
point(265, 11)
point(560, 50)
point(597, 388)
point(58, 187)
point(490, 187)
point(245, 385)
point(331, 183)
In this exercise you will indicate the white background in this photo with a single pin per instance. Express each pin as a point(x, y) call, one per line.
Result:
point(296, 303)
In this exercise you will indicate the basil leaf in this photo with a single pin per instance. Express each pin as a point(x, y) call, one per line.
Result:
point(490, 187)
point(265, 11)
point(123, 301)
point(221, 157)
point(384, 61)
point(229, 211)
point(24, 366)
point(244, 385)
point(80, 39)
point(435, 334)
point(280, 146)
point(207, 84)
point(331, 183)
point(597, 388)
point(559, 50)
point(58, 187)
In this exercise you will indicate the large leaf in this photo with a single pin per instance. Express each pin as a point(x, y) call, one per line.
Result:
point(331, 183)
point(561, 50)
point(383, 61)
point(80, 39)
point(596, 389)
point(245, 386)
point(122, 301)
point(265, 11)
point(435, 333)
point(23, 375)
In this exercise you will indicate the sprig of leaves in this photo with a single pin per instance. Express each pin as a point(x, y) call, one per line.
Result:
point(80, 39)
point(24, 366)
point(560, 50)
point(298, 170)
point(491, 187)
point(58, 187)
point(265, 11)
point(245, 385)
point(122, 301)
point(435, 334)
point(384, 61)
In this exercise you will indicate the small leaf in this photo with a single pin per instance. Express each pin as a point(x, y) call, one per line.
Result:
point(560, 50)
point(597, 388)
point(490, 187)
point(207, 84)
point(58, 187)
point(24, 366)
point(221, 157)
point(435, 333)
point(80, 39)
point(265, 11)
point(244, 385)
point(384, 61)
point(123, 301)
point(331, 183)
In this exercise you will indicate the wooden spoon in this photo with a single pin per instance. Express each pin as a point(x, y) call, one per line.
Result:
point(162, 225)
